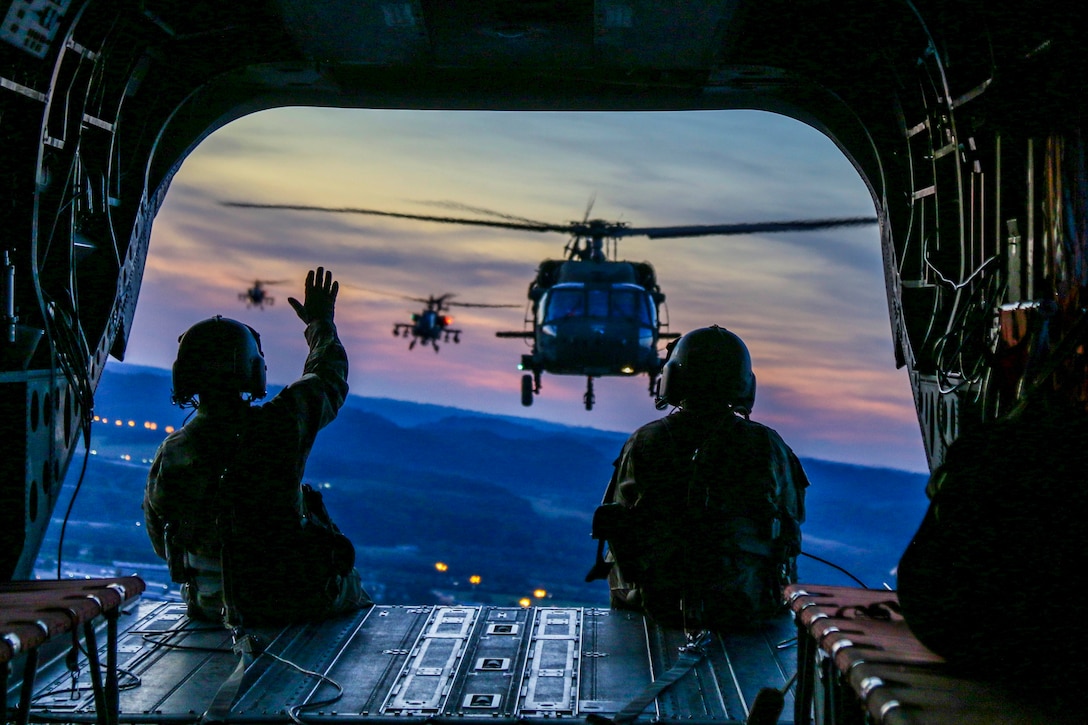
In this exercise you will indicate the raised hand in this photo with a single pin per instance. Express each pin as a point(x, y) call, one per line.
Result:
point(320, 299)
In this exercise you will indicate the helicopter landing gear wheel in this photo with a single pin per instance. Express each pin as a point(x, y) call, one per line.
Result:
point(526, 390)
point(589, 398)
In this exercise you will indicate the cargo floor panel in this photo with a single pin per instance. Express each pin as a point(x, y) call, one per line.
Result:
point(423, 663)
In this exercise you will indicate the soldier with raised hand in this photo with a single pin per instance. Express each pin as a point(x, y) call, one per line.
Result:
point(225, 504)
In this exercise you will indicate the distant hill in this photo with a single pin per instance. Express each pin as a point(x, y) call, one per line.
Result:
point(507, 498)
point(117, 380)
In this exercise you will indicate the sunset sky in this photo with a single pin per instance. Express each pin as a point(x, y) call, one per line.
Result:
point(811, 306)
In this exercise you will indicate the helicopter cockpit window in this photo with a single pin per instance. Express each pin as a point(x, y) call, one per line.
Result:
point(633, 303)
point(564, 303)
point(597, 300)
point(625, 302)
point(624, 305)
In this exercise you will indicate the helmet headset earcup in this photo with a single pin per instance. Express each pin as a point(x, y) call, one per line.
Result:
point(707, 368)
point(670, 388)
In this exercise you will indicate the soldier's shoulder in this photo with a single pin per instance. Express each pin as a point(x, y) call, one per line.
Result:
point(755, 425)
point(755, 429)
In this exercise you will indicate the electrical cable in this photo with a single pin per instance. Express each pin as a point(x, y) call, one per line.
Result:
point(62, 337)
point(835, 566)
point(134, 682)
point(68, 511)
point(294, 710)
point(150, 639)
point(78, 649)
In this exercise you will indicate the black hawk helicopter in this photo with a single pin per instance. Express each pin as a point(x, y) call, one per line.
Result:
point(590, 314)
point(432, 324)
point(257, 296)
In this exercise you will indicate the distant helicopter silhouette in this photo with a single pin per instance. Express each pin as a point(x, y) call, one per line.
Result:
point(257, 296)
point(590, 315)
point(431, 324)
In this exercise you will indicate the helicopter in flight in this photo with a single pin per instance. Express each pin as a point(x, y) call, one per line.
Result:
point(257, 296)
point(432, 323)
point(590, 314)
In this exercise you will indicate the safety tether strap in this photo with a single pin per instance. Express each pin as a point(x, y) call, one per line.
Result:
point(244, 645)
point(690, 654)
point(247, 649)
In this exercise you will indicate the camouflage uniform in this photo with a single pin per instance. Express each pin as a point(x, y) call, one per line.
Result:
point(260, 453)
point(651, 479)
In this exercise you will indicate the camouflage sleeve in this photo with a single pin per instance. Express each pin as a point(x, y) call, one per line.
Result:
point(627, 490)
point(648, 471)
point(170, 495)
point(314, 400)
point(639, 466)
point(327, 367)
point(153, 520)
point(792, 480)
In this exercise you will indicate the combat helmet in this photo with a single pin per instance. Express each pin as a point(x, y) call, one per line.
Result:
point(218, 356)
point(708, 368)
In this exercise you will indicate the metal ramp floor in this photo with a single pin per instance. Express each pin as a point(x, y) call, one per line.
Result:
point(424, 663)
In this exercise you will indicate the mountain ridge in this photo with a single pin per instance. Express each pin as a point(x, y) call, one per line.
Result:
point(496, 495)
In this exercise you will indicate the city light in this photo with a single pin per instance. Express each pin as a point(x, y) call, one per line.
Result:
point(440, 566)
point(147, 424)
point(525, 602)
point(474, 579)
point(540, 593)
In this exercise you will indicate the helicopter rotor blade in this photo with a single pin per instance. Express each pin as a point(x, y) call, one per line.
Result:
point(442, 300)
point(589, 207)
point(383, 293)
point(455, 205)
point(587, 228)
point(257, 281)
point(706, 230)
point(524, 226)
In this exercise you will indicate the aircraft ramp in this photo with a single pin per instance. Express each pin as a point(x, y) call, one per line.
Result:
point(425, 664)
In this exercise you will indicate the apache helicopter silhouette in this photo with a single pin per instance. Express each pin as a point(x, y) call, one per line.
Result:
point(591, 314)
point(432, 324)
point(257, 296)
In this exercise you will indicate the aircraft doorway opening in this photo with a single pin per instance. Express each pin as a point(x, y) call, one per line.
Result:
point(445, 438)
